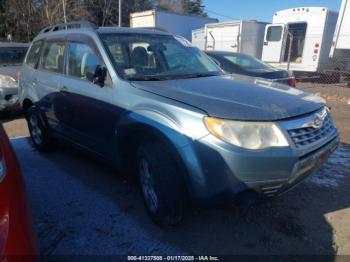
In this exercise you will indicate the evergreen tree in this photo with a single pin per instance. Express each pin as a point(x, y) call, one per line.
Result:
point(193, 7)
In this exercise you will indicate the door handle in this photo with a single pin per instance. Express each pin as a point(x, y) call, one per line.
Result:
point(63, 90)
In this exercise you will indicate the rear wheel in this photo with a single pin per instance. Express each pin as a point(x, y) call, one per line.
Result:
point(39, 134)
point(161, 183)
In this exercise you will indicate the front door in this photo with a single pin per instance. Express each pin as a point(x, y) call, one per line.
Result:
point(91, 104)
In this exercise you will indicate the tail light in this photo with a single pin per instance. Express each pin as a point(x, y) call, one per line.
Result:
point(292, 81)
point(18, 74)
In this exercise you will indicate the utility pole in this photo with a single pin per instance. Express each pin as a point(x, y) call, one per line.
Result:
point(120, 14)
point(64, 11)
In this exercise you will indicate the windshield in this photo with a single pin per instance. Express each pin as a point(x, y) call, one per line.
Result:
point(246, 62)
point(12, 55)
point(157, 57)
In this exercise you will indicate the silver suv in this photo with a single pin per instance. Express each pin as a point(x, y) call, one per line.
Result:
point(149, 101)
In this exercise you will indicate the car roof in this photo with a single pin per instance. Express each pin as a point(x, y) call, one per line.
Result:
point(127, 30)
point(221, 53)
point(47, 32)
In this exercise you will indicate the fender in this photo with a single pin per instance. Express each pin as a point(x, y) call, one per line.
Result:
point(153, 121)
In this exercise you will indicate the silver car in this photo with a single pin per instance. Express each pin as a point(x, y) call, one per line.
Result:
point(11, 58)
point(149, 101)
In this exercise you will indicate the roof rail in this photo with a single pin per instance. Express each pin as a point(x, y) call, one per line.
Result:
point(67, 26)
point(152, 28)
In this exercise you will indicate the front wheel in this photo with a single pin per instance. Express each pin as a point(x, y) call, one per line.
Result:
point(161, 183)
point(39, 134)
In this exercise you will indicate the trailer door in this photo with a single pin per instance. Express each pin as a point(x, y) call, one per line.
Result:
point(274, 43)
point(223, 37)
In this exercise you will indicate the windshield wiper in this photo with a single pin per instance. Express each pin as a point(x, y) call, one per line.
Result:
point(170, 77)
point(197, 75)
point(146, 78)
point(149, 78)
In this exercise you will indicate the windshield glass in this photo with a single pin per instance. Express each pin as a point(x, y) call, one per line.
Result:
point(246, 62)
point(157, 57)
point(12, 55)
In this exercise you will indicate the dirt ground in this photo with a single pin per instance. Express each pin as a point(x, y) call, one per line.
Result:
point(80, 206)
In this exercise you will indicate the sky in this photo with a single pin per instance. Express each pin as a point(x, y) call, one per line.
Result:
point(261, 10)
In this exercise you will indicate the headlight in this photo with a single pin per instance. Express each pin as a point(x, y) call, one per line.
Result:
point(7, 81)
point(248, 135)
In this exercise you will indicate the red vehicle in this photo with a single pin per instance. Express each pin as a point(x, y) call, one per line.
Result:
point(16, 232)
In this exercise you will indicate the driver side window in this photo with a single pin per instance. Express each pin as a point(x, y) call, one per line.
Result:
point(81, 58)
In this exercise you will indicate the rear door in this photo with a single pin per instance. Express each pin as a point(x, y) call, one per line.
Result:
point(274, 43)
point(26, 81)
point(224, 38)
point(47, 81)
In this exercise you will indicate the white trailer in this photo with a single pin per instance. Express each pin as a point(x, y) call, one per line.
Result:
point(300, 39)
point(341, 38)
point(340, 51)
point(179, 24)
point(242, 36)
point(198, 38)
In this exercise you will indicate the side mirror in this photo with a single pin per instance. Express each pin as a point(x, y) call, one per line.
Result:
point(97, 75)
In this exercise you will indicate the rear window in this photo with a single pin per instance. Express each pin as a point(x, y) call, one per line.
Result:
point(34, 54)
point(12, 55)
point(246, 62)
point(274, 33)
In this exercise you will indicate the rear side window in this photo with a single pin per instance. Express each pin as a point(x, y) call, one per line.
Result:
point(81, 57)
point(274, 33)
point(34, 54)
point(53, 58)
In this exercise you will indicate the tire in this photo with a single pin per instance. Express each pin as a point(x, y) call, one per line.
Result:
point(41, 137)
point(4, 115)
point(161, 182)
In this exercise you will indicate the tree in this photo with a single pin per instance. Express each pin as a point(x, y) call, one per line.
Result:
point(169, 5)
point(23, 19)
point(193, 7)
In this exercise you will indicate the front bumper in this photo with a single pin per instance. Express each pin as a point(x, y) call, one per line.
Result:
point(10, 105)
point(218, 172)
point(9, 99)
point(303, 168)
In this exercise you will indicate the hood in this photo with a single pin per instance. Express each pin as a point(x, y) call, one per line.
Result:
point(237, 98)
point(9, 70)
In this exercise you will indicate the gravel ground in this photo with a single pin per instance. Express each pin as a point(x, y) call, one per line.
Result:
point(80, 206)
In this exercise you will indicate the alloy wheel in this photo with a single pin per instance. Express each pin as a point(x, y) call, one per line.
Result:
point(147, 185)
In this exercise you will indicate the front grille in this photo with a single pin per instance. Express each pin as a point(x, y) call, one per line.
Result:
point(305, 136)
